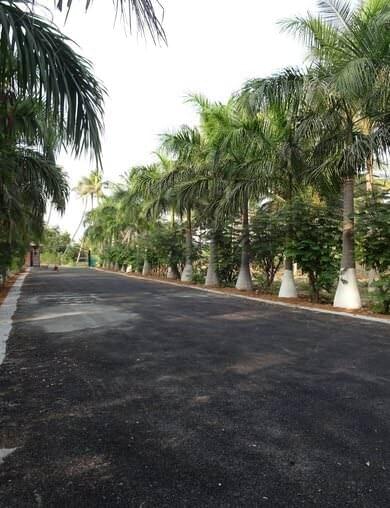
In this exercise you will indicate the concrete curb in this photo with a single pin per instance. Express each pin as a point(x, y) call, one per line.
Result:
point(253, 299)
point(7, 310)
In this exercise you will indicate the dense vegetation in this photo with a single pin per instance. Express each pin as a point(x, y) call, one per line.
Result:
point(269, 179)
point(273, 176)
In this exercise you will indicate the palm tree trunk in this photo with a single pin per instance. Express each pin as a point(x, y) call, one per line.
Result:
point(49, 214)
point(80, 249)
point(172, 272)
point(244, 280)
point(186, 275)
point(347, 293)
point(146, 268)
point(81, 221)
point(370, 174)
point(77, 229)
point(372, 273)
point(211, 276)
point(287, 287)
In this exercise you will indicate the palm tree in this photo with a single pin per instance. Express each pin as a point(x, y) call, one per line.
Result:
point(28, 172)
point(236, 137)
point(27, 182)
point(349, 51)
point(139, 199)
point(144, 12)
point(39, 61)
point(188, 146)
point(90, 186)
point(280, 102)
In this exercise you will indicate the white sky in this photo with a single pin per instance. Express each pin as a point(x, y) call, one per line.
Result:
point(213, 47)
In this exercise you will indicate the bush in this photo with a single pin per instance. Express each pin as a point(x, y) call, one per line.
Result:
point(373, 232)
point(380, 298)
point(268, 235)
point(315, 243)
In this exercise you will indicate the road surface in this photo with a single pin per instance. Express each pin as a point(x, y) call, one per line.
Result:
point(121, 392)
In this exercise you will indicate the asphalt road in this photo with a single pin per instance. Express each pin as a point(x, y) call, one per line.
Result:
point(122, 392)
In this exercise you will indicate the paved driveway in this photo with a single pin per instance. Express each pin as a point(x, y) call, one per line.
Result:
point(122, 392)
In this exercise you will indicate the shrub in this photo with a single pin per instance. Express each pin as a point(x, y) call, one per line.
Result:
point(380, 298)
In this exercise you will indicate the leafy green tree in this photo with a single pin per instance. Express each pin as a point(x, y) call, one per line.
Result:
point(53, 244)
point(373, 231)
point(315, 242)
point(268, 238)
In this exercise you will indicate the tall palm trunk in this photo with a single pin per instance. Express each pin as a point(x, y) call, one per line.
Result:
point(49, 214)
point(172, 272)
point(80, 249)
point(244, 280)
point(372, 273)
point(146, 269)
point(287, 287)
point(370, 174)
point(211, 276)
point(347, 293)
point(76, 231)
point(186, 275)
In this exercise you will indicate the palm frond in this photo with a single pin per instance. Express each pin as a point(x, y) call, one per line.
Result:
point(144, 11)
point(40, 62)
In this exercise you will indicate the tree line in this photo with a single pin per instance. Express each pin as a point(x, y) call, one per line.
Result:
point(275, 176)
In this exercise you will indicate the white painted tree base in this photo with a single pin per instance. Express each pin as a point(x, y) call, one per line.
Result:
point(211, 278)
point(347, 294)
point(171, 274)
point(129, 269)
point(186, 275)
point(146, 268)
point(287, 288)
point(244, 280)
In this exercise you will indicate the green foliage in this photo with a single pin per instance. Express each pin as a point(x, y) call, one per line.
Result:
point(315, 242)
point(380, 298)
point(228, 255)
point(373, 232)
point(268, 236)
point(38, 61)
point(165, 245)
point(198, 276)
point(53, 245)
point(291, 141)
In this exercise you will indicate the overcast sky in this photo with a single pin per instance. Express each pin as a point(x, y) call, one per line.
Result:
point(213, 47)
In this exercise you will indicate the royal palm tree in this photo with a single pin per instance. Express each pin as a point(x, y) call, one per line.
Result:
point(350, 57)
point(236, 137)
point(188, 147)
point(279, 104)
